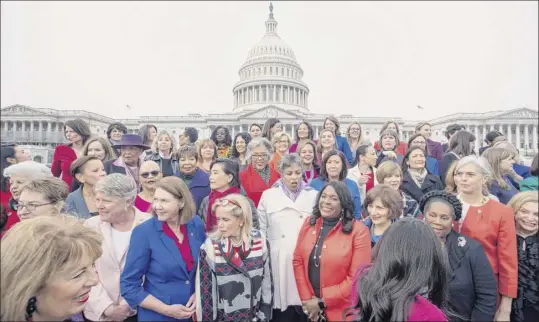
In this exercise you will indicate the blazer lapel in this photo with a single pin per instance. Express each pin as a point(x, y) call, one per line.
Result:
point(194, 244)
point(106, 231)
point(173, 250)
point(456, 250)
point(80, 204)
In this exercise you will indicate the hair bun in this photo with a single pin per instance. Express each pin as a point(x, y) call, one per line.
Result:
point(444, 195)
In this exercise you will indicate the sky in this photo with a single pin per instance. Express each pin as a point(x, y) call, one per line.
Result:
point(367, 59)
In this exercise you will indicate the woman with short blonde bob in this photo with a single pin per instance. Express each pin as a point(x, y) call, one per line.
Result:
point(161, 259)
point(525, 208)
point(234, 260)
point(49, 276)
point(281, 143)
point(207, 153)
point(42, 197)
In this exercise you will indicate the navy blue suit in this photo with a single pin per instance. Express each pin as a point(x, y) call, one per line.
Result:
point(155, 256)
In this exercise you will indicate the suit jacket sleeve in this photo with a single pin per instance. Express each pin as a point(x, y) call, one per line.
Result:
point(98, 302)
point(345, 148)
point(262, 215)
point(507, 255)
point(264, 312)
point(486, 291)
point(444, 165)
point(361, 255)
point(136, 266)
point(56, 166)
point(354, 190)
point(300, 263)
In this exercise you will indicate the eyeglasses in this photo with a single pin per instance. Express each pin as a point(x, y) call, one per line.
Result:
point(283, 142)
point(31, 207)
point(154, 173)
point(259, 156)
point(226, 202)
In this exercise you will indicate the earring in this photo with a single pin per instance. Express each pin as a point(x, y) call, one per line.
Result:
point(31, 307)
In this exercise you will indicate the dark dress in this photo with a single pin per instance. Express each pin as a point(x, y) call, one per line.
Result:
point(526, 306)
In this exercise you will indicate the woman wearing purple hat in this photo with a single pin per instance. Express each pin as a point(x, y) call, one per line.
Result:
point(131, 147)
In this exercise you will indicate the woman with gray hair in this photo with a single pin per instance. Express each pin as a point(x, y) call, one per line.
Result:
point(19, 174)
point(114, 197)
point(281, 211)
point(259, 176)
point(492, 224)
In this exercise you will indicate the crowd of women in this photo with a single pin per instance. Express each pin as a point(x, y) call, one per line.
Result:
point(266, 227)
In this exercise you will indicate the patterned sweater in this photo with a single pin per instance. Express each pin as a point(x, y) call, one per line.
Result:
point(227, 292)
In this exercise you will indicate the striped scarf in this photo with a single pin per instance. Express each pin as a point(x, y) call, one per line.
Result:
point(264, 173)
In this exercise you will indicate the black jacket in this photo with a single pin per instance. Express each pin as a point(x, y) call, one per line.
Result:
point(446, 162)
point(409, 186)
point(472, 286)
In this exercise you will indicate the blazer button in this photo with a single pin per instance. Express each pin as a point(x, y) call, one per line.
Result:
point(186, 282)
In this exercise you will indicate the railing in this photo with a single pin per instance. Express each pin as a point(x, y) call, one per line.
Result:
point(35, 136)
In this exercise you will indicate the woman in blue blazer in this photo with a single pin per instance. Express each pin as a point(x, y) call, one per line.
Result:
point(159, 275)
point(333, 167)
point(331, 123)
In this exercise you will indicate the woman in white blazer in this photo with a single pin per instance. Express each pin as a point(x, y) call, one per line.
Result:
point(282, 211)
point(363, 172)
point(114, 198)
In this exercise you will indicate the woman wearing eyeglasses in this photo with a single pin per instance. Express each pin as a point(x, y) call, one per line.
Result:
point(233, 280)
point(42, 197)
point(150, 174)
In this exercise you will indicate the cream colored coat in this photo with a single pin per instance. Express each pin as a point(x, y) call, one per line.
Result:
point(280, 221)
point(354, 174)
point(108, 268)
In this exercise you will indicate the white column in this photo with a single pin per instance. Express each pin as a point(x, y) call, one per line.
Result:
point(282, 94)
point(316, 134)
point(293, 132)
point(233, 131)
point(517, 143)
point(477, 138)
point(510, 133)
point(274, 93)
point(526, 136)
point(534, 138)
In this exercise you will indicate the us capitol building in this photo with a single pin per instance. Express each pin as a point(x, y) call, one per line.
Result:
point(270, 85)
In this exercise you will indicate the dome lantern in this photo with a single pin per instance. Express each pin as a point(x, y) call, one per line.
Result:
point(271, 24)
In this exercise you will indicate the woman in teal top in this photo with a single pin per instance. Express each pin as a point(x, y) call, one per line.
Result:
point(531, 183)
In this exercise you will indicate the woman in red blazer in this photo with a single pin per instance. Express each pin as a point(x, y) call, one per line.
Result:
point(492, 224)
point(401, 148)
point(76, 132)
point(259, 176)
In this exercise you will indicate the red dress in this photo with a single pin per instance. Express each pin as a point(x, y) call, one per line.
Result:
point(12, 217)
point(61, 163)
point(401, 149)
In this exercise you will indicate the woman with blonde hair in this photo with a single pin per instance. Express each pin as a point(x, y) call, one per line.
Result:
point(164, 150)
point(115, 197)
point(525, 207)
point(234, 262)
point(49, 276)
point(281, 143)
point(354, 137)
point(326, 142)
point(501, 164)
point(390, 173)
point(207, 153)
point(161, 259)
point(42, 197)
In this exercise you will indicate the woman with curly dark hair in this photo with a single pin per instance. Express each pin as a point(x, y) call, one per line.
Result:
point(326, 292)
point(222, 139)
point(239, 149)
point(407, 280)
point(472, 286)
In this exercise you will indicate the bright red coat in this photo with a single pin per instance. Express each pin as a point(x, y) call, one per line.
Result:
point(253, 183)
point(61, 163)
point(12, 218)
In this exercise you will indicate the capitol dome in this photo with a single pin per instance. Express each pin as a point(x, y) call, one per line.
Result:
point(270, 75)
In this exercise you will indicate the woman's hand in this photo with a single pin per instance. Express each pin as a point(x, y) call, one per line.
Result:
point(179, 311)
point(390, 154)
point(118, 312)
point(502, 315)
point(311, 308)
point(363, 180)
point(191, 304)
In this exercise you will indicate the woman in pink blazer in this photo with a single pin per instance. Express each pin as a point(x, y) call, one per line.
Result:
point(115, 195)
